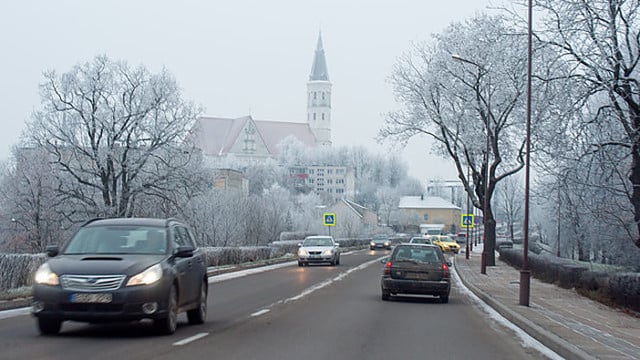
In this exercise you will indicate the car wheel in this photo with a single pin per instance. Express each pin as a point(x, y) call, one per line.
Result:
point(199, 315)
point(300, 263)
point(49, 326)
point(338, 261)
point(168, 325)
point(386, 295)
point(444, 298)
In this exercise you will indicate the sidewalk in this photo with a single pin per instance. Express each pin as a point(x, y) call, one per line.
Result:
point(573, 326)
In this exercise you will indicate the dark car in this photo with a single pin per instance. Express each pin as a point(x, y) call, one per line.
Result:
point(416, 269)
point(380, 241)
point(123, 269)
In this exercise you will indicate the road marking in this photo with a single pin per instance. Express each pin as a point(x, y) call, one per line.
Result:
point(258, 313)
point(190, 339)
point(6, 314)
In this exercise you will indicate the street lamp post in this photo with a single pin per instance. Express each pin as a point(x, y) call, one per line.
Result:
point(525, 273)
point(485, 208)
point(466, 253)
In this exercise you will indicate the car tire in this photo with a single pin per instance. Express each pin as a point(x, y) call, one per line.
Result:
point(168, 324)
point(300, 263)
point(386, 295)
point(199, 315)
point(49, 326)
point(338, 260)
point(444, 298)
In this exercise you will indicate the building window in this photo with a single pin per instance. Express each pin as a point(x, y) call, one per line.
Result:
point(315, 95)
point(322, 116)
point(314, 116)
point(425, 217)
point(323, 95)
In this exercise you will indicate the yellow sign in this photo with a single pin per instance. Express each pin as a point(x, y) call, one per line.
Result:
point(467, 221)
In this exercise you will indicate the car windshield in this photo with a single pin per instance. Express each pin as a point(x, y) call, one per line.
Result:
point(416, 254)
point(118, 240)
point(317, 242)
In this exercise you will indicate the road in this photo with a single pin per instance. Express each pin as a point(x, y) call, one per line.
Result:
point(314, 312)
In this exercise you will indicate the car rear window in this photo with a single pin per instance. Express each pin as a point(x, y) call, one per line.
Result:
point(414, 253)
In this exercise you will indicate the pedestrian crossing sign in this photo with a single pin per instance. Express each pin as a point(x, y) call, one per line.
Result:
point(466, 221)
point(329, 219)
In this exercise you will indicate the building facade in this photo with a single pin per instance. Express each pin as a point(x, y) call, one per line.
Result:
point(337, 181)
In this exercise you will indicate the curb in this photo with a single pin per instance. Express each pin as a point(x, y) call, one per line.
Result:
point(550, 340)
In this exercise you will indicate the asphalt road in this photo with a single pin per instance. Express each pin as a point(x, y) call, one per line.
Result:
point(314, 312)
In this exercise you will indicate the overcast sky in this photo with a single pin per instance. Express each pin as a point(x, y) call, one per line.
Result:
point(233, 57)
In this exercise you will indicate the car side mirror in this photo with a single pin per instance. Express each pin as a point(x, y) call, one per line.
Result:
point(184, 251)
point(384, 260)
point(299, 244)
point(449, 264)
point(52, 250)
point(337, 245)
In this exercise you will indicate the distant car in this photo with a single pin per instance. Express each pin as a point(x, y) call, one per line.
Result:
point(123, 270)
point(445, 243)
point(420, 240)
point(503, 242)
point(380, 241)
point(416, 269)
point(460, 238)
point(318, 249)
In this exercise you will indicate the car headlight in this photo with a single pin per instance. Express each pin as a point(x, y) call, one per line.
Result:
point(386, 243)
point(328, 252)
point(372, 243)
point(45, 276)
point(147, 277)
point(302, 252)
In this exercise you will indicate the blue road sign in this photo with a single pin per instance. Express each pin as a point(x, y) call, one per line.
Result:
point(467, 220)
point(329, 219)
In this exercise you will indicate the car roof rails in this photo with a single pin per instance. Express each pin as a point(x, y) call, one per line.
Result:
point(91, 220)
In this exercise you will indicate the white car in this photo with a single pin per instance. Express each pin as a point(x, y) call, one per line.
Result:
point(318, 249)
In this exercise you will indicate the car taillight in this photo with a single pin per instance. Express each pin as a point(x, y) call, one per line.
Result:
point(387, 268)
point(445, 270)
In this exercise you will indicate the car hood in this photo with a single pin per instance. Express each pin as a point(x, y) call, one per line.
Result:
point(90, 264)
point(379, 241)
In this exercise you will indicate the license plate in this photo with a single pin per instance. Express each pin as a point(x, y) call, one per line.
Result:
point(415, 276)
point(91, 298)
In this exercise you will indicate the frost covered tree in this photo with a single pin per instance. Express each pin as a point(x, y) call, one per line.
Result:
point(600, 40)
point(114, 134)
point(462, 104)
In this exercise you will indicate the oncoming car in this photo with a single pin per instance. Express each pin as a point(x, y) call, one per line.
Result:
point(318, 249)
point(123, 269)
point(380, 241)
point(416, 269)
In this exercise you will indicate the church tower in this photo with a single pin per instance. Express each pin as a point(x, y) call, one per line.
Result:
point(319, 97)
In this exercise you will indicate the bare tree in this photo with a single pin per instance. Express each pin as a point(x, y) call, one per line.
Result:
point(463, 105)
point(116, 133)
point(509, 202)
point(601, 40)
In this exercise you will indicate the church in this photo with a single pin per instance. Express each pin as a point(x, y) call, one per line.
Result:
point(251, 139)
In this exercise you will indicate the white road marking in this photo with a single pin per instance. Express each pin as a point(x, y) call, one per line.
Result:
point(15, 312)
point(258, 313)
point(190, 339)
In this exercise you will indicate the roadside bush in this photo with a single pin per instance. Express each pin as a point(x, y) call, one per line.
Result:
point(17, 269)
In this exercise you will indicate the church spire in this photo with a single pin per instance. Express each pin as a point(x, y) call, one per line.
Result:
point(319, 70)
point(319, 97)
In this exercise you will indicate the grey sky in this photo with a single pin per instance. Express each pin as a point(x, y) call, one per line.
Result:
point(233, 57)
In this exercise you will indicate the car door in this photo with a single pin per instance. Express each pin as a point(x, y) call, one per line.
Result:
point(188, 269)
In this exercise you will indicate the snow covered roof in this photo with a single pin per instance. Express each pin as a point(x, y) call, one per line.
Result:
point(425, 202)
point(216, 136)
